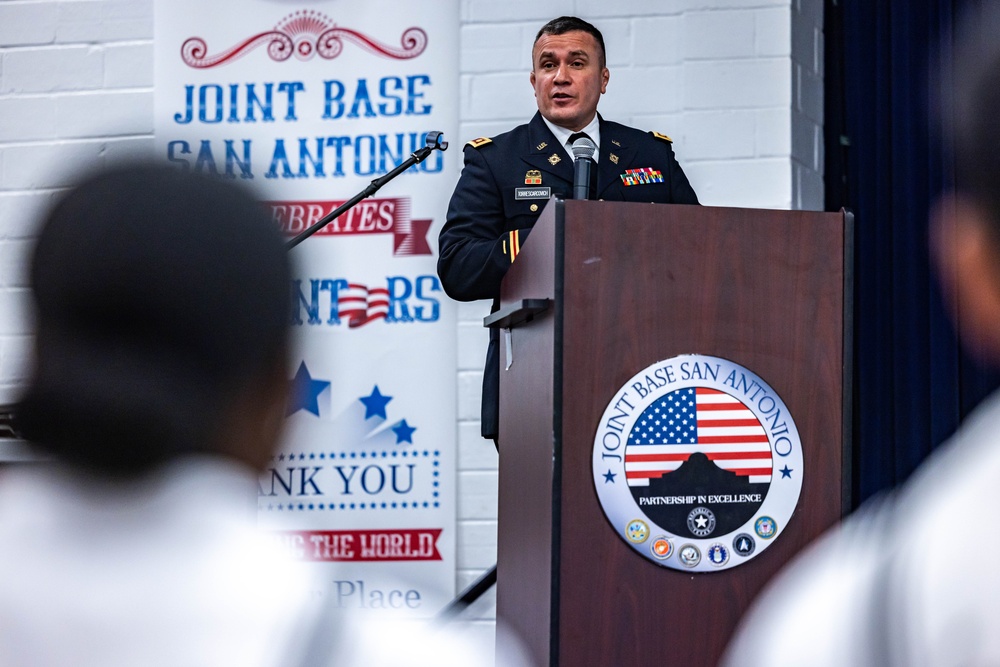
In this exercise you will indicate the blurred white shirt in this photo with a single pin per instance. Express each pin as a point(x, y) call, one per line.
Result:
point(911, 579)
point(171, 570)
point(165, 570)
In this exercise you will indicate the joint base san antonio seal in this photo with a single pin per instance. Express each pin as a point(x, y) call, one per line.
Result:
point(703, 454)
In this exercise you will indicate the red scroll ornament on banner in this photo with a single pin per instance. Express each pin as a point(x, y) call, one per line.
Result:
point(304, 33)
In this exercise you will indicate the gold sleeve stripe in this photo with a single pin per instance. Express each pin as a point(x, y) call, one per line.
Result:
point(505, 246)
point(517, 240)
point(514, 247)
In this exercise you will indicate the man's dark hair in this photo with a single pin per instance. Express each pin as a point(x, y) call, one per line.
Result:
point(159, 295)
point(564, 24)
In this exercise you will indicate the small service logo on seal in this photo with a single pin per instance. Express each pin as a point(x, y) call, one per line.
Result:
point(661, 548)
point(637, 531)
point(701, 522)
point(717, 554)
point(765, 527)
point(744, 544)
point(689, 555)
point(701, 451)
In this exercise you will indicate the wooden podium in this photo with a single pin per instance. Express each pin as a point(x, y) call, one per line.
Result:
point(600, 291)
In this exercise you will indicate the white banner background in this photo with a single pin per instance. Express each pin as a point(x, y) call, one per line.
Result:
point(366, 488)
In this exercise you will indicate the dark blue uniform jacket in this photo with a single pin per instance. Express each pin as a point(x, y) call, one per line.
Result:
point(486, 222)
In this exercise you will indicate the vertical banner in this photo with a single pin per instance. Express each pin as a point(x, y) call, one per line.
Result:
point(309, 102)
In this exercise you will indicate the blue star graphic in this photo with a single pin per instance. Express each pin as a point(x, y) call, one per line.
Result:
point(305, 392)
point(609, 477)
point(404, 432)
point(375, 404)
point(786, 472)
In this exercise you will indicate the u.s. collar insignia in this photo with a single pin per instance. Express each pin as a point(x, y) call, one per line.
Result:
point(554, 159)
point(613, 158)
point(541, 146)
point(533, 177)
point(615, 142)
point(694, 496)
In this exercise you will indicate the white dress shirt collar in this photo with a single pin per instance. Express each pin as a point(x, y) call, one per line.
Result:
point(562, 135)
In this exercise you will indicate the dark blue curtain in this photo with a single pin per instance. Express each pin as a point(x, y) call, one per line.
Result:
point(913, 382)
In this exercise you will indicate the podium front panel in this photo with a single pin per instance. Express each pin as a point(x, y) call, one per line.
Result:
point(635, 284)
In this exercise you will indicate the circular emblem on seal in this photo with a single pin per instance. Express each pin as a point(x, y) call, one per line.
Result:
point(717, 555)
point(701, 522)
point(765, 527)
point(698, 451)
point(689, 555)
point(637, 531)
point(744, 544)
point(661, 548)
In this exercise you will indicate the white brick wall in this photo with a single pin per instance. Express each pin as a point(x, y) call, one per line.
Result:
point(736, 83)
point(75, 89)
point(807, 105)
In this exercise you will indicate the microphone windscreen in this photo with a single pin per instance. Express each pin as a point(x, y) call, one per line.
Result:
point(584, 147)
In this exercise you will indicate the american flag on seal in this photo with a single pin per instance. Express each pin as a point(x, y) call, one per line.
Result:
point(692, 420)
point(358, 304)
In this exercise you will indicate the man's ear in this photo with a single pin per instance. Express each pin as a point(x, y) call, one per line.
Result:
point(966, 251)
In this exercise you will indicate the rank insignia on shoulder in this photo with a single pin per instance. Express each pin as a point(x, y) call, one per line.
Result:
point(481, 141)
point(533, 177)
point(642, 176)
point(662, 137)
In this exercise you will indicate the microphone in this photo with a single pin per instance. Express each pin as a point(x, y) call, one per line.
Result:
point(584, 150)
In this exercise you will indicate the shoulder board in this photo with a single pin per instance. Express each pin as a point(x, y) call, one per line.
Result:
point(480, 142)
point(662, 137)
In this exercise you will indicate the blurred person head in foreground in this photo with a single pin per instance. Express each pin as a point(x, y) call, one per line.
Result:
point(910, 579)
point(159, 391)
point(162, 324)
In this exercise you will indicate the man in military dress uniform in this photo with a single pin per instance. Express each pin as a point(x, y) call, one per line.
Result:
point(508, 179)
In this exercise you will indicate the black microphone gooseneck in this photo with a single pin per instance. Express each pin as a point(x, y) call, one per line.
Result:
point(433, 142)
point(584, 150)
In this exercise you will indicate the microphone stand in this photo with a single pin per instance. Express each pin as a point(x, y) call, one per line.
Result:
point(433, 143)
